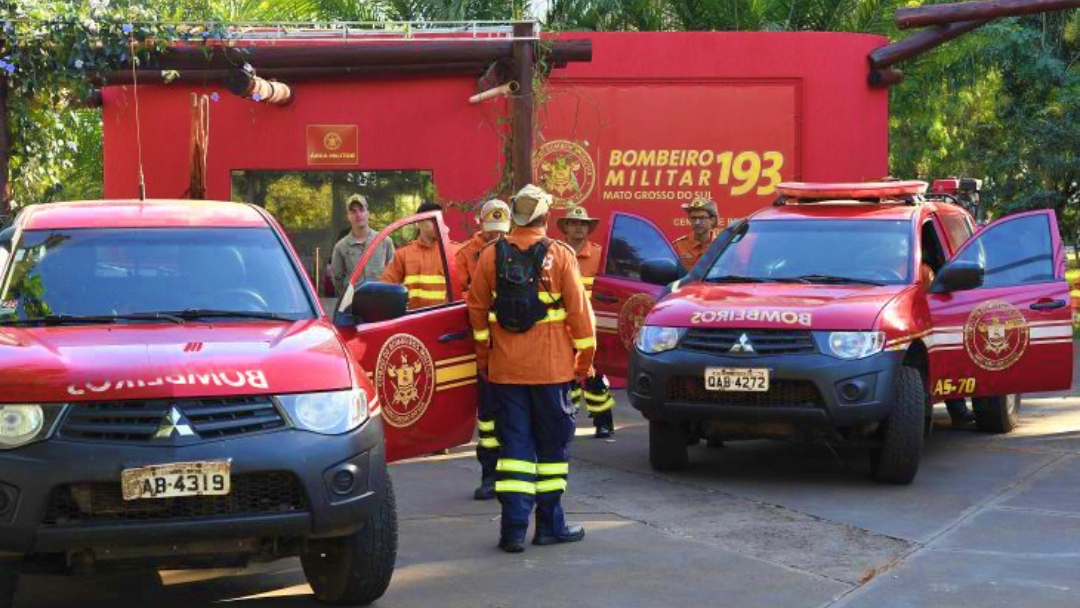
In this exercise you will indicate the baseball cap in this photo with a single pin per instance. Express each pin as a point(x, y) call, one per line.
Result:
point(701, 204)
point(356, 199)
point(495, 215)
point(529, 203)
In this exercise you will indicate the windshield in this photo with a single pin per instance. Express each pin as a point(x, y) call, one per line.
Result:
point(107, 273)
point(836, 251)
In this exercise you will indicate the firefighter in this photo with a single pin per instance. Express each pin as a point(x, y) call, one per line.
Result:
point(494, 223)
point(419, 265)
point(543, 339)
point(704, 228)
point(352, 245)
point(596, 394)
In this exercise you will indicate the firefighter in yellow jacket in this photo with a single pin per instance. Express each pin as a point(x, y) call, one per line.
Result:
point(543, 339)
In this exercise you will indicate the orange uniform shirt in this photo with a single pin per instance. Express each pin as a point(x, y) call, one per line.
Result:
point(546, 353)
point(420, 269)
point(465, 259)
point(690, 250)
point(588, 259)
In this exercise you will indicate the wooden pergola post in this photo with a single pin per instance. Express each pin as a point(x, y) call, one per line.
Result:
point(5, 148)
point(521, 130)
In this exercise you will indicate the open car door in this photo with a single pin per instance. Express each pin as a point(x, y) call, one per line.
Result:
point(1013, 333)
point(620, 298)
point(421, 361)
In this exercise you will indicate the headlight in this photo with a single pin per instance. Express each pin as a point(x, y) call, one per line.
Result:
point(856, 344)
point(26, 423)
point(652, 339)
point(331, 413)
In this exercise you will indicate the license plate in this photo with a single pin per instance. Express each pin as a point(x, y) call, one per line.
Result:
point(177, 479)
point(736, 379)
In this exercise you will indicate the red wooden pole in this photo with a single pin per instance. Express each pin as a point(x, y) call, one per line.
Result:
point(522, 121)
point(941, 14)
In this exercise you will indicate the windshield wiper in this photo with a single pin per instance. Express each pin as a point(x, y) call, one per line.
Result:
point(91, 319)
point(734, 278)
point(198, 313)
point(828, 278)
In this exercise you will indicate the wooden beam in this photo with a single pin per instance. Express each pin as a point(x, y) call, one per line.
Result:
point(522, 104)
point(885, 78)
point(216, 76)
point(941, 14)
point(5, 152)
point(919, 43)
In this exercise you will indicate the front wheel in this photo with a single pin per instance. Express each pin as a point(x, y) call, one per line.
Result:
point(897, 459)
point(356, 570)
point(667, 446)
point(9, 579)
point(998, 414)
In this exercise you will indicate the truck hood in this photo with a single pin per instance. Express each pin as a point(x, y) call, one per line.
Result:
point(774, 306)
point(106, 362)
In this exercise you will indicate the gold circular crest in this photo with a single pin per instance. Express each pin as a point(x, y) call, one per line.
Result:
point(632, 317)
point(404, 379)
point(566, 171)
point(996, 335)
point(332, 141)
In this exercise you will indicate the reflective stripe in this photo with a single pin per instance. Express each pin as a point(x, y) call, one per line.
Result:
point(492, 318)
point(486, 426)
point(481, 336)
point(602, 397)
point(553, 468)
point(514, 485)
point(588, 294)
point(584, 343)
point(490, 443)
point(437, 279)
point(587, 281)
point(516, 466)
point(554, 314)
point(597, 409)
point(575, 393)
point(549, 298)
point(427, 294)
point(548, 485)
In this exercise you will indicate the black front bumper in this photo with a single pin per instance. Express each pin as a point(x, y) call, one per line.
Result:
point(657, 386)
point(35, 472)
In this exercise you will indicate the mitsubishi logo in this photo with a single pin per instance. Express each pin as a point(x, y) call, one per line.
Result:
point(743, 345)
point(173, 423)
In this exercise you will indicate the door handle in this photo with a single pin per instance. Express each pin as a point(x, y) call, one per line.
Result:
point(1048, 305)
point(603, 297)
point(458, 335)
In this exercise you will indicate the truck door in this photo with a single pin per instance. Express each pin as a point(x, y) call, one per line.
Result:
point(1014, 333)
point(422, 364)
point(620, 299)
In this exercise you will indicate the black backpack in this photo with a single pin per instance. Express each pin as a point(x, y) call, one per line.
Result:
point(517, 285)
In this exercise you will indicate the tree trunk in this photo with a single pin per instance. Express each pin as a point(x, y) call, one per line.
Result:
point(522, 129)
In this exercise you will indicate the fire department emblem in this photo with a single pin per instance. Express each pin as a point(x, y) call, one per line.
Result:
point(566, 171)
point(404, 379)
point(996, 335)
point(632, 317)
point(331, 141)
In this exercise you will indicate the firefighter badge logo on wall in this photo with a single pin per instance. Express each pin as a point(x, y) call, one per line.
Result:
point(566, 171)
point(632, 317)
point(404, 379)
point(996, 335)
point(332, 141)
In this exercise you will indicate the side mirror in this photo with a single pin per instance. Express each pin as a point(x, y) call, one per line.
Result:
point(659, 271)
point(958, 276)
point(375, 302)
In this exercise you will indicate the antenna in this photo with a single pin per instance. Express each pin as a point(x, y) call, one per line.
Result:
point(138, 127)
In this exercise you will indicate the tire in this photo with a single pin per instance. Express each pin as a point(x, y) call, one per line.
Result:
point(998, 414)
point(667, 446)
point(356, 570)
point(9, 583)
point(901, 435)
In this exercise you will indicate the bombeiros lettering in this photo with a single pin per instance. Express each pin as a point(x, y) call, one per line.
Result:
point(780, 317)
point(746, 172)
point(235, 378)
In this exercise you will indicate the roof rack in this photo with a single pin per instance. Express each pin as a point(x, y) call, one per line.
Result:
point(903, 192)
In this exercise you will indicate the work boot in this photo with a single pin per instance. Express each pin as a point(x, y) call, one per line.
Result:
point(511, 545)
point(571, 534)
point(959, 413)
point(714, 442)
point(486, 491)
point(603, 432)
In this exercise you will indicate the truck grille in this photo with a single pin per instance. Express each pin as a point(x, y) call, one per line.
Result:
point(139, 421)
point(763, 341)
point(781, 393)
point(103, 502)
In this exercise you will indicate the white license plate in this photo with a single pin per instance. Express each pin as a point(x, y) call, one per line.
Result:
point(177, 479)
point(736, 379)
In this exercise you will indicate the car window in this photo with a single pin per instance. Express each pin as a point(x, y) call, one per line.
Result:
point(126, 271)
point(958, 229)
point(869, 250)
point(412, 256)
point(633, 241)
point(1015, 252)
point(933, 252)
